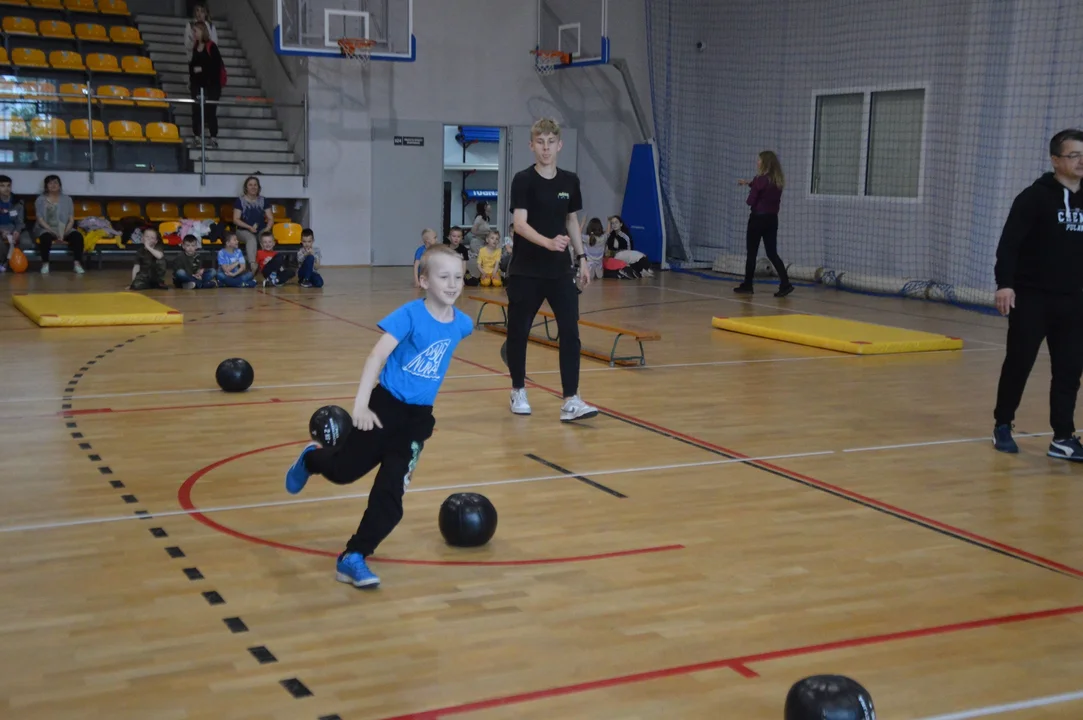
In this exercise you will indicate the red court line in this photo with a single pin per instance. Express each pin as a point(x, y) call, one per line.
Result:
point(198, 406)
point(738, 663)
point(184, 497)
point(838, 490)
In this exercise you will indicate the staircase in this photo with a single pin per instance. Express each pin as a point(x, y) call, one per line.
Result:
point(250, 140)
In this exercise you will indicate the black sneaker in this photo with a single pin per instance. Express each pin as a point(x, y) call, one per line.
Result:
point(743, 290)
point(1069, 449)
point(1002, 439)
point(784, 291)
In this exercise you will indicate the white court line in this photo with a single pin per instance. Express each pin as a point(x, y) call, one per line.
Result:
point(513, 481)
point(984, 438)
point(776, 308)
point(1011, 707)
point(710, 363)
point(490, 483)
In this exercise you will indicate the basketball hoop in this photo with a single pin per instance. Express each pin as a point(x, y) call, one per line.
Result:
point(357, 49)
point(546, 61)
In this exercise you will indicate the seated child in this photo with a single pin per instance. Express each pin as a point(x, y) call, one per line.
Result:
point(594, 247)
point(150, 267)
point(455, 242)
point(270, 263)
point(392, 412)
point(489, 260)
point(308, 261)
point(189, 267)
point(231, 264)
point(428, 239)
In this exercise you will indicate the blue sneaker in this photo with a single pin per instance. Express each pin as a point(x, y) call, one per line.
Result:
point(1069, 449)
point(353, 570)
point(1002, 439)
point(297, 477)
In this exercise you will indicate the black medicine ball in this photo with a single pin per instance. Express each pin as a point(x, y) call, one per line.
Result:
point(234, 375)
point(829, 697)
point(467, 520)
point(330, 425)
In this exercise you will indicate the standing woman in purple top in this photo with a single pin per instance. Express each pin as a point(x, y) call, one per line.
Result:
point(764, 198)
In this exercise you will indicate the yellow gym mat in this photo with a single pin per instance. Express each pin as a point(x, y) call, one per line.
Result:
point(92, 309)
point(848, 336)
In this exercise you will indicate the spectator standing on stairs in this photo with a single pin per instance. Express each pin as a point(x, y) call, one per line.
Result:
point(205, 73)
point(252, 215)
point(199, 15)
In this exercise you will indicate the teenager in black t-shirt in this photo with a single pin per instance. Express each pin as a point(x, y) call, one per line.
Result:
point(545, 200)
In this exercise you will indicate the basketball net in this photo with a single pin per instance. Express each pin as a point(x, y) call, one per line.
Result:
point(357, 49)
point(546, 61)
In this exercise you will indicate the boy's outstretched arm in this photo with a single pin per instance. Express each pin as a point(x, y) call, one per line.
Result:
point(363, 417)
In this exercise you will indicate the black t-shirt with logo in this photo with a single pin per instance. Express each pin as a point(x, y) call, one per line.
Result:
point(547, 202)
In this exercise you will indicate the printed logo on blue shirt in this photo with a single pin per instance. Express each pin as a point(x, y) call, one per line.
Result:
point(426, 364)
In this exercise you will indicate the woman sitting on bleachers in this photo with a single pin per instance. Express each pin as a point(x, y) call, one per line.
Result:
point(252, 215)
point(55, 219)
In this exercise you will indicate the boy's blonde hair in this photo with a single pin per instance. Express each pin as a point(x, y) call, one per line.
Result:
point(432, 252)
point(545, 126)
point(428, 231)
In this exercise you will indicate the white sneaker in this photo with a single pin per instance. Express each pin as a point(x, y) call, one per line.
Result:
point(45, 268)
point(519, 404)
point(78, 269)
point(575, 409)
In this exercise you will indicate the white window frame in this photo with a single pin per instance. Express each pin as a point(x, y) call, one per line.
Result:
point(866, 125)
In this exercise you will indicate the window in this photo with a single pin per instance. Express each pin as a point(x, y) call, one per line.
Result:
point(869, 143)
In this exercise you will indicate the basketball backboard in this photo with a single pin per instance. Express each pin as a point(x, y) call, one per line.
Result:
point(314, 27)
point(575, 27)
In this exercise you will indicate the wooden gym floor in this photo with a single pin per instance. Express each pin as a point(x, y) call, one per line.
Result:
point(759, 512)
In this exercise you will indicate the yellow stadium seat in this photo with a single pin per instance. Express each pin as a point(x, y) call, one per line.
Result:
point(91, 32)
point(83, 6)
point(125, 35)
point(80, 131)
point(163, 132)
point(55, 29)
point(114, 95)
point(113, 7)
point(169, 227)
point(102, 62)
point(47, 4)
point(159, 211)
point(138, 65)
point(4, 60)
point(13, 127)
point(69, 91)
point(149, 93)
point(126, 131)
point(119, 209)
point(200, 211)
point(66, 60)
point(287, 233)
point(39, 90)
point(21, 3)
point(87, 208)
point(19, 26)
point(279, 213)
point(29, 57)
point(46, 128)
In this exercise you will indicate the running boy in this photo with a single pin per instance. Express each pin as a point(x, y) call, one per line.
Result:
point(545, 200)
point(393, 418)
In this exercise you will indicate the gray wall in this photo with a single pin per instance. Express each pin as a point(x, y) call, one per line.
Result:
point(1000, 75)
point(473, 67)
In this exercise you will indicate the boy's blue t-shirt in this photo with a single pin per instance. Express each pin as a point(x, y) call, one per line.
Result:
point(420, 251)
point(417, 366)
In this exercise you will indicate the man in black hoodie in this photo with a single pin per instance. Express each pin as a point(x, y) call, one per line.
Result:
point(1039, 276)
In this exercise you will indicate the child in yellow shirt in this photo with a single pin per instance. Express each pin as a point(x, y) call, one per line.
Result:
point(489, 260)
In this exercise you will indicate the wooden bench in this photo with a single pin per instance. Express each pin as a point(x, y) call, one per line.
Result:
point(551, 340)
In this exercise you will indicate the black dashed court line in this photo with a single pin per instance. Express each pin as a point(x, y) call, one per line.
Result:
point(235, 625)
point(116, 484)
point(95, 458)
point(262, 655)
point(130, 499)
point(193, 574)
point(105, 470)
point(580, 478)
point(159, 532)
point(174, 552)
point(214, 598)
point(296, 688)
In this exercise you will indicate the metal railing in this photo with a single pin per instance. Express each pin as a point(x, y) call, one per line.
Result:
point(39, 97)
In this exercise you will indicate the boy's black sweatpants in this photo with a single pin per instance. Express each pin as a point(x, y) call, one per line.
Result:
point(1057, 319)
point(525, 297)
point(395, 447)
